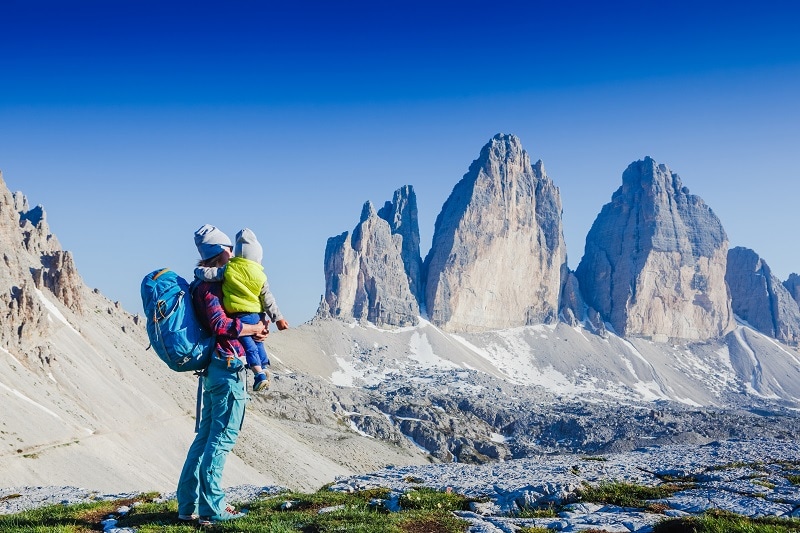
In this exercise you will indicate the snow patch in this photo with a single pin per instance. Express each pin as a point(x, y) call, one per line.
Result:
point(355, 428)
point(514, 359)
point(53, 310)
point(11, 356)
point(498, 438)
point(21, 396)
point(346, 376)
point(422, 353)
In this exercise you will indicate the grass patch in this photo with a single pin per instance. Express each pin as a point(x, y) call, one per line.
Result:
point(79, 518)
point(432, 500)
point(763, 483)
point(724, 522)
point(550, 511)
point(629, 495)
point(424, 510)
point(794, 479)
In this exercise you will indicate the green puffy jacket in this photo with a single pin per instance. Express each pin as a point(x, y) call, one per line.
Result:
point(241, 286)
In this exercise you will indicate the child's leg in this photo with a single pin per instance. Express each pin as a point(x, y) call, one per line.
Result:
point(262, 352)
point(263, 358)
point(251, 347)
point(251, 352)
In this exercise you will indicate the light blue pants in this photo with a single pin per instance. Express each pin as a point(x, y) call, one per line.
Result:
point(224, 399)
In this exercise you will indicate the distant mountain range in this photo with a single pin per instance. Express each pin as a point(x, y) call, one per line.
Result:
point(656, 262)
point(490, 348)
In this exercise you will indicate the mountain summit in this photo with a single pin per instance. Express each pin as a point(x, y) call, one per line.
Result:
point(498, 254)
point(375, 273)
point(655, 259)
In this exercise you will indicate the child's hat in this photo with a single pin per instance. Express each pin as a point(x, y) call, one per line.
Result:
point(210, 241)
point(247, 246)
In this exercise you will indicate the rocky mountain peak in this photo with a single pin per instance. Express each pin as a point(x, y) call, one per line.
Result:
point(498, 255)
point(654, 261)
point(373, 274)
point(401, 214)
point(33, 261)
point(368, 211)
point(759, 298)
point(792, 284)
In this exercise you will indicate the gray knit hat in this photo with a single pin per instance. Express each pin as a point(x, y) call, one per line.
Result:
point(210, 241)
point(247, 246)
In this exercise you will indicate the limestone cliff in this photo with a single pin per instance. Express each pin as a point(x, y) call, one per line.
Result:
point(498, 257)
point(28, 246)
point(792, 284)
point(654, 261)
point(759, 298)
point(373, 274)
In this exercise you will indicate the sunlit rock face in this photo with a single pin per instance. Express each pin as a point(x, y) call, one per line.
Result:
point(373, 274)
point(498, 257)
point(655, 259)
point(792, 284)
point(759, 298)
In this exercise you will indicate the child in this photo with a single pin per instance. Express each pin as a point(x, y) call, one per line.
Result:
point(246, 295)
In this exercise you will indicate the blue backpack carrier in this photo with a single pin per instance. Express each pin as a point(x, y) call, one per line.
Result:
point(172, 326)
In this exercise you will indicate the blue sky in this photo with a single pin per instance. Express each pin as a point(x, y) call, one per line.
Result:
point(133, 123)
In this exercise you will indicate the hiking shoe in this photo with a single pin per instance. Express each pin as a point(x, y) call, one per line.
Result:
point(261, 381)
point(224, 516)
point(187, 517)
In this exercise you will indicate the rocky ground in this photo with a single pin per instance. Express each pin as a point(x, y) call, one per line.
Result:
point(747, 477)
point(751, 478)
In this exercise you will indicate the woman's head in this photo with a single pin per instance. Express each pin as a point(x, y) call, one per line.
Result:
point(212, 244)
point(219, 260)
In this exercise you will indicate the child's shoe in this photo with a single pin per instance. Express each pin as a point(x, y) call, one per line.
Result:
point(261, 381)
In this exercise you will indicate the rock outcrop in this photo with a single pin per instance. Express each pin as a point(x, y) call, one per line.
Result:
point(759, 298)
point(792, 284)
point(28, 245)
point(498, 256)
point(654, 262)
point(373, 274)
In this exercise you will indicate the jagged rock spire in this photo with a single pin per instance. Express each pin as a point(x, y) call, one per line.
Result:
point(498, 255)
point(374, 274)
point(759, 298)
point(32, 260)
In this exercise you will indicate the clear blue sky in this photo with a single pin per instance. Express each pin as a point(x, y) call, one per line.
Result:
point(135, 122)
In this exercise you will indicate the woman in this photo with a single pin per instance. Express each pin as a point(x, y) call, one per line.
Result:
point(199, 492)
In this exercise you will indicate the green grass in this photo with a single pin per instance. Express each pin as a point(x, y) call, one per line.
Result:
point(629, 494)
point(423, 510)
point(764, 483)
point(723, 522)
point(549, 511)
point(432, 500)
point(77, 518)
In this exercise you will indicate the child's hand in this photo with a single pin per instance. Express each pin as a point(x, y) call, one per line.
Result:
point(282, 324)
